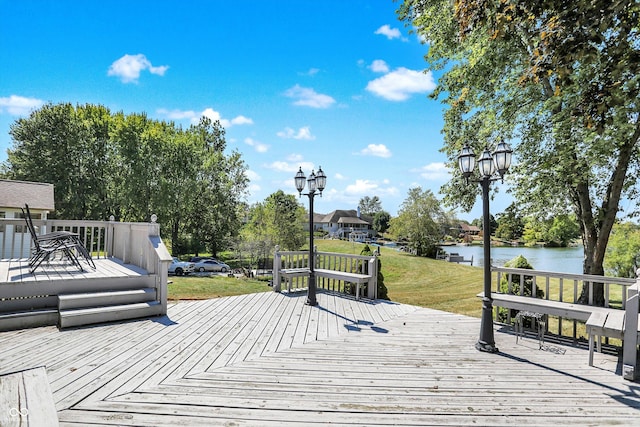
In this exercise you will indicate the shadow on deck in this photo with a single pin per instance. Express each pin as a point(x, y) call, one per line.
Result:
point(269, 359)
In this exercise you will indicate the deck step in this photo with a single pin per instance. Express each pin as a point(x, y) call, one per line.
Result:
point(105, 298)
point(28, 319)
point(86, 316)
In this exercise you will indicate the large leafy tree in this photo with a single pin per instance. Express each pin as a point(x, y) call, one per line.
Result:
point(68, 146)
point(370, 205)
point(381, 221)
point(560, 80)
point(510, 224)
point(279, 220)
point(421, 221)
point(131, 166)
point(213, 184)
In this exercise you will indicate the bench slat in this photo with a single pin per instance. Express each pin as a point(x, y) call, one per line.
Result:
point(342, 275)
point(614, 326)
point(552, 308)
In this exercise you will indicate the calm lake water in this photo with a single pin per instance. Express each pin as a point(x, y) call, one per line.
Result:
point(562, 260)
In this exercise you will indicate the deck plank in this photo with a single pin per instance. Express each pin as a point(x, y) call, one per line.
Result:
point(269, 359)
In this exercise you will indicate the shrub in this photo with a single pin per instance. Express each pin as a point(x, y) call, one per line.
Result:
point(382, 289)
point(513, 287)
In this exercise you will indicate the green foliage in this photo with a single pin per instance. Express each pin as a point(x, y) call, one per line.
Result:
point(285, 220)
point(130, 166)
point(563, 230)
point(71, 148)
point(381, 221)
point(623, 252)
point(279, 220)
point(562, 87)
point(420, 221)
point(518, 285)
point(510, 224)
point(370, 205)
point(558, 231)
point(381, 288)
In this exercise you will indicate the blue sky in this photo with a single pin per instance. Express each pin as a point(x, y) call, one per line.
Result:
point(337, 84)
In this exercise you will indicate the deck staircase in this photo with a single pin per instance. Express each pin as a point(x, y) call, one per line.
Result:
point(82, 301)
point(106, 306)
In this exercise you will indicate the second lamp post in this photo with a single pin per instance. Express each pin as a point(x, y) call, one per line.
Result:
point(488, 165)
point(315, 182)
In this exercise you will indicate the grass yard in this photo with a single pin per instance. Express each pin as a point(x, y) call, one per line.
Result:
point(196, 288)
point(409, 279)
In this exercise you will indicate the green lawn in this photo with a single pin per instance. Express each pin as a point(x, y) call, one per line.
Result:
point(409, 279)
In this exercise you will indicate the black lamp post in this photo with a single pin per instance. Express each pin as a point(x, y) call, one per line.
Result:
point(315, 182)
point(488, 165)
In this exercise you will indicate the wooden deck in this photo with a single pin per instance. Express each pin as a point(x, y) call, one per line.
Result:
point(17, 271)
point(267, 359)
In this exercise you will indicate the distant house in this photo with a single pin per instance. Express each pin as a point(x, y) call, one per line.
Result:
point(465, 229)
point(13, 196)
point(345, 224)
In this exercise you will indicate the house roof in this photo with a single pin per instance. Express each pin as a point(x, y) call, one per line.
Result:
point(467, 227)
point(38, 195)
point(342, 216)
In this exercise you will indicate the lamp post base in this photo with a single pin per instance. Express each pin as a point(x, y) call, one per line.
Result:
point(487, 348)
point(311, 303)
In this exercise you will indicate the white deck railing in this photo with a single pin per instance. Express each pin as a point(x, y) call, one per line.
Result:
point(346, 263)
point(565, 287)
point(133, 243)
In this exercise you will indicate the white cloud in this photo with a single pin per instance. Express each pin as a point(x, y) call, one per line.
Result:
point(254, 188)
point(257, 145)
point(390, 33)
point(128, 68)
point(241, 120)
point(311, 72)
point(364, 187)
point(19, 105)
point(377, 150)
point(194, 117)
point(339, 176)
point(212, 115)
point(379, 66)
point(308, 97)
point(290, 167)
point(302, 133)
point(436, 171)
point(401, 83)
point(361, 186)
point(177, 114)
point(295, 157)
point(252, 176)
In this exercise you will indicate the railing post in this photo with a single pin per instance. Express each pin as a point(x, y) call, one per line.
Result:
point(630, 343)
point(276, 269)
point(372, 292)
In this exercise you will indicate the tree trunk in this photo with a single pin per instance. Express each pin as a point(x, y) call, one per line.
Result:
point(597, 230)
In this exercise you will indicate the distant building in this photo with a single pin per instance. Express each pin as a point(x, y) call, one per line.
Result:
point(465, 229)
point(13, 196)
point(345, 224)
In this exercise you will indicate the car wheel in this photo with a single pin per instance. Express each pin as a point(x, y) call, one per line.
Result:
point(224, 270)
point(201, 269)
point(178, 271)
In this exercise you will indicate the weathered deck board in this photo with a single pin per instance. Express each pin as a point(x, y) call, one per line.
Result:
point(268, 359)
point(17, 271)
point(26, 400)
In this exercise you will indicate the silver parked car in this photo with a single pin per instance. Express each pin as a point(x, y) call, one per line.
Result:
point(212, 265)
point(179, 268)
